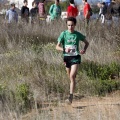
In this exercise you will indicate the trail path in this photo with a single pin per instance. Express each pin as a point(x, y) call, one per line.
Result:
point(87, 108)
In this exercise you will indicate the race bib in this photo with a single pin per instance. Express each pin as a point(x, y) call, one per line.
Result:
point(72, 50)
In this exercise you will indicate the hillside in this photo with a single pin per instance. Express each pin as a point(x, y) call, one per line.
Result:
point(33, 80)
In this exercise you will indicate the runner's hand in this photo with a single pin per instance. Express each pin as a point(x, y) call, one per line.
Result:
point(67, 50)
point(82, 52)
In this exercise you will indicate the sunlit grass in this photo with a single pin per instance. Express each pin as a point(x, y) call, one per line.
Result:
point(28, 58)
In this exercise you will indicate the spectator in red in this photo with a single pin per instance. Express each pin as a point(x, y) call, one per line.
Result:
point(72, 10)
point(86, 9)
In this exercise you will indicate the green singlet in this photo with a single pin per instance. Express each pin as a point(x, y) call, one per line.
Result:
point(71, 41)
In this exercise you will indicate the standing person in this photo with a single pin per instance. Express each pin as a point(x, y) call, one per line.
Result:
point(34, 12)
point(11, 14)
point(115, 12)
point(55, 10)
point(108, 15)
point(102, 12)
point(70, 47)
point(86, 14)
point(41, 9)
point(25, 11)
point(72, 10)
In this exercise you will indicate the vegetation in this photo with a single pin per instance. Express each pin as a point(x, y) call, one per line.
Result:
point(32, 71)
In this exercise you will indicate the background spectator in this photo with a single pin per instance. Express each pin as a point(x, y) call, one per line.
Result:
point(72, 10)
point(34, 12)
point(25, 12)
point(55, 10)
point(11, 14)
point(41, 9)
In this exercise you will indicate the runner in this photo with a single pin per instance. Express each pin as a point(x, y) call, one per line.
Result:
point(70, 47)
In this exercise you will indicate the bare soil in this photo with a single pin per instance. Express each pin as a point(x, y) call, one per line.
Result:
point(86, 108)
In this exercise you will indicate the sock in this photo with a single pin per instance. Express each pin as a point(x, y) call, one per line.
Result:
point(71, 97)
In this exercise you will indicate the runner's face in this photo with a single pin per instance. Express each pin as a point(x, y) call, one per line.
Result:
point(70, 26)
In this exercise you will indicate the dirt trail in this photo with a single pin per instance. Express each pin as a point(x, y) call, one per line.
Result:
point(87, 108)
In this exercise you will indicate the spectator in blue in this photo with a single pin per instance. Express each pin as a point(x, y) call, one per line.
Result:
point(11, 14)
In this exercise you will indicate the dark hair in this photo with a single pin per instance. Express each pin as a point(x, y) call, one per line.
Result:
point(33, 3)
point(85, 0)
point(103, 3)
point(12, 4)
point(41, 1)
point(71, 19)
point(24, 1)
point(71, 1)
point(57, 1)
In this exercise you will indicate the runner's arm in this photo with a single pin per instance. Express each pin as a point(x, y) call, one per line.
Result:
point(85, 47)
point(58, 47)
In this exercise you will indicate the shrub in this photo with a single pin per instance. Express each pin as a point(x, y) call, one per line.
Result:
point(107, 86)
point(103, 72)
point(23, 97)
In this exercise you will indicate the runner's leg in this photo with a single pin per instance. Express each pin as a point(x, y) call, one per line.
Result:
point(68, 71)
point(73, 73)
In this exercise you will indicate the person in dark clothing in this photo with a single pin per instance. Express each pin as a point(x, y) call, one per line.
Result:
point(102, 12)
point(115, 9)
point(34, 12)
point(25, 12)
point(109, 12)
point(113, 12)
point(108, 15)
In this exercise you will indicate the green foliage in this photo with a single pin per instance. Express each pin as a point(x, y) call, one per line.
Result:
point(106, 86)
point(102, 77)
point(2, 91)
point(23, 97)
point(103, 72)
point(54, 87)
point(47, 6)
point(64, 5)
point(95, 9)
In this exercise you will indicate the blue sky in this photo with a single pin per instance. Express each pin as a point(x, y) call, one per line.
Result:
point(90, 1)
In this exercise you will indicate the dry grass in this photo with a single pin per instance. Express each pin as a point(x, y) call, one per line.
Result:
point(28, 55)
